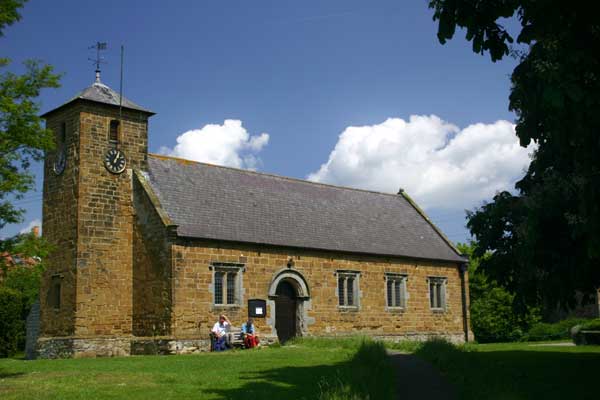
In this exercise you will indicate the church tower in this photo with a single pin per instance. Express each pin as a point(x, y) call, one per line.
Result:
point(86, 294)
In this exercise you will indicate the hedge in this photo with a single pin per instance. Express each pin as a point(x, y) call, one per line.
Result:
point(12, 326)
point(555, 331)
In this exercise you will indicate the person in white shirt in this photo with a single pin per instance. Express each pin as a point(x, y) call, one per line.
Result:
point(221, 333)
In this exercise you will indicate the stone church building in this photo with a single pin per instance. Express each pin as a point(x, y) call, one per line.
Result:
point(150, 249)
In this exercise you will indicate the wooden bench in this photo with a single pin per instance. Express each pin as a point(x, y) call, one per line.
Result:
point(237, 339)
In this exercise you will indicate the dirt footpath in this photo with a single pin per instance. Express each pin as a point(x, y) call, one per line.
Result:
point(417, 379)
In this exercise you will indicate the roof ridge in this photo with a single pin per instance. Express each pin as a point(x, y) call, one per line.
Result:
point(187, 161)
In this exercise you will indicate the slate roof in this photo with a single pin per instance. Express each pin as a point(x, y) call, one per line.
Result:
point(213, 202)
point(100, 93)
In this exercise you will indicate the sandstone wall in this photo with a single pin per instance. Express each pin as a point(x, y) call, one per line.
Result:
point(105, 215)
point(194, 311)
point(151, 268)
point(59, 222)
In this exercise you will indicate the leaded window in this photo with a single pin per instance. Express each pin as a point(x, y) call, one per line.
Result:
point(395, 290)
point(347, 290)
point(437, 293)
point(227, 284)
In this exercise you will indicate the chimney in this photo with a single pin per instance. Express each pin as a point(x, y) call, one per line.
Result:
point(36, 231)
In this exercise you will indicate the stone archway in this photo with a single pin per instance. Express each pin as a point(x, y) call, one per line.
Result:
point(289, 303)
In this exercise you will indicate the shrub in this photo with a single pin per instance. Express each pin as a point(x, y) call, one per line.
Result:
point(493, 315)
point(581, 333)
point(494, 320)
point(591, 325)
point(558, 330)
point(12, 326)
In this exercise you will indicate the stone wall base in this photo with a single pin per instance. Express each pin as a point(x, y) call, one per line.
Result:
point(82, 347)
point(456, 338)
point(71, 347)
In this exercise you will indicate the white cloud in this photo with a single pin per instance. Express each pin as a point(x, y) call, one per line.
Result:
point(228, 144)
point(31, 225)
point(437, 163)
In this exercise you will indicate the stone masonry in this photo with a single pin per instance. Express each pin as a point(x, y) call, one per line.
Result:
point(88, 218)
point(129, 284)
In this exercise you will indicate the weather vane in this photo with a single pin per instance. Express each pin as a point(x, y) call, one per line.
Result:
point(98, 60)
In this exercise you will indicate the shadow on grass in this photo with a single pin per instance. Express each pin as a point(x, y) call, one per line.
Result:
point(8, 375)
point(516, 372)
point(367, 375)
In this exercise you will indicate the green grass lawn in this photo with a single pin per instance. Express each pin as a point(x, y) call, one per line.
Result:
point(309, 369)
point(517, 370)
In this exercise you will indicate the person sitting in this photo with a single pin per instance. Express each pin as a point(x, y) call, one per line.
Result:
point(221, 335)
point(249, 334)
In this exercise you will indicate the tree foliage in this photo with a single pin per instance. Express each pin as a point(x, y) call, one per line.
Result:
point(23, 139)
point(545, 239)
point(9, 12)
point(20, 287)
point(25, 278)
point(12, 325)
point(494, 317)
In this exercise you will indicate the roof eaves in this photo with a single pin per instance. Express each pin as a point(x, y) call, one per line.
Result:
point(83, 99)
point(194, 237)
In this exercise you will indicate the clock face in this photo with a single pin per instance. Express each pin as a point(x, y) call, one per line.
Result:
point(115, 161)
point(60, 161)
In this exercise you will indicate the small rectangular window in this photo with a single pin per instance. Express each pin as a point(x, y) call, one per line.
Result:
point(437, 293)
point(227, 284)
point(395, 290)
point(347, 290)
point(114, 131)
point(54, 292)
point(62, 139)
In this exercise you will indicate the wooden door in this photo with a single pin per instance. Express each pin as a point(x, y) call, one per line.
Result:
point(285, 311)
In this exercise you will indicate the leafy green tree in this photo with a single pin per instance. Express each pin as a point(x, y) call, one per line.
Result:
point(9, 12)
point(493, 315)
point(545, 239)
point(20, 287)
point(23, 139)
point(25, 278)
point(12, 325)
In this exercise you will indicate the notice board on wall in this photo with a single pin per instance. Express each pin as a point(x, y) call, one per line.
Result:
point(257, 308)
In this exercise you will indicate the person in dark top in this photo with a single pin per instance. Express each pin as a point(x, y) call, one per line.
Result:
point(249, 333)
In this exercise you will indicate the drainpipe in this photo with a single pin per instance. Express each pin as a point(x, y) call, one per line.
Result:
point(463, 268)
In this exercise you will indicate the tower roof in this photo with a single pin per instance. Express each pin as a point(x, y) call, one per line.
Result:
point(101, 93)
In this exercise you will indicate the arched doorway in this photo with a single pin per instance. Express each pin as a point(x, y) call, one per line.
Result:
point(285, 311)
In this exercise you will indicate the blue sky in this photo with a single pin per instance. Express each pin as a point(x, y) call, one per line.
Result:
point(302, 73)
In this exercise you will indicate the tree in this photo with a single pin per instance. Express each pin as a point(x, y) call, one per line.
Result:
point(25, 278)
point(22, 137)
point(545, 239)
point(9, 12)
point(493, 318)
